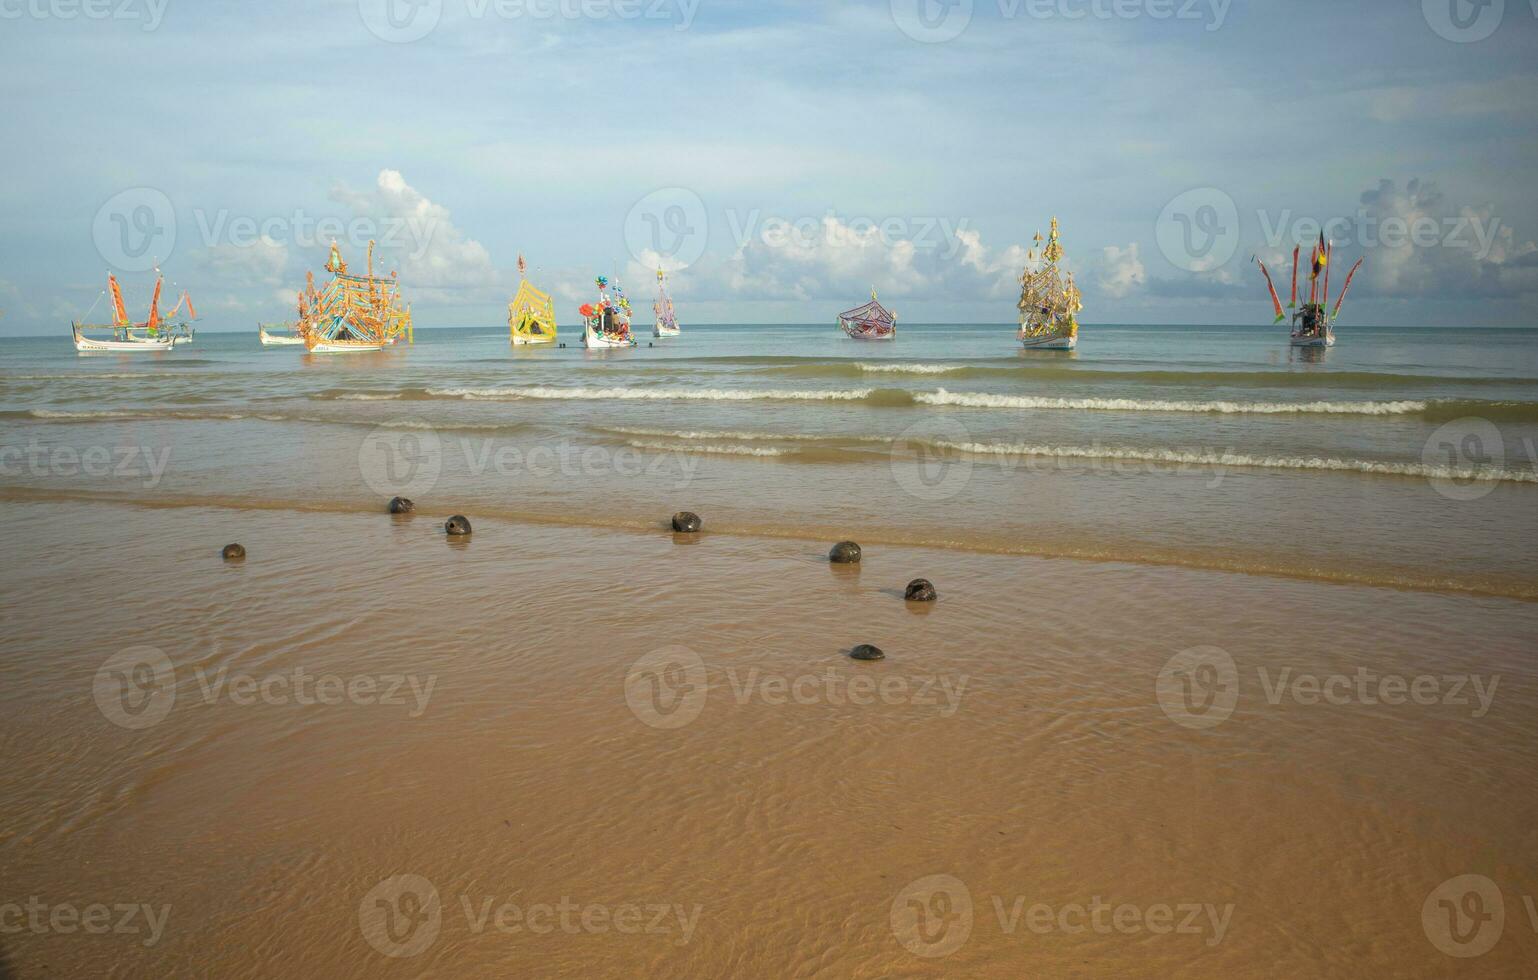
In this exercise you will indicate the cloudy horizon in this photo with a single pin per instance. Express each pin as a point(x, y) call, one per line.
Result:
point(779, 158)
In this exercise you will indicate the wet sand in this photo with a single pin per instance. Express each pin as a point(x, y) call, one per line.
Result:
point(564, 799)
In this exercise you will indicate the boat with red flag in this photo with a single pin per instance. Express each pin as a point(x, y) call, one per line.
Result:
point(1313, 323)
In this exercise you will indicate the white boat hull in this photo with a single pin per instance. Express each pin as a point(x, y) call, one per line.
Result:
point(666, 331)
point(1049, 343)
point(337, 347)
point(599, 342)
point(1325, 341)
point(84, 343)
point(596, 340)
point(279, 340)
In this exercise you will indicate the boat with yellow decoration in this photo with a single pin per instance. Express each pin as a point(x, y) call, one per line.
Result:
point(1049, 301)
point(352, 313)
point(531, 315)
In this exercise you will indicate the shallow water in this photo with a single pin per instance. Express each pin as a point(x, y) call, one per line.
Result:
point(1402, 457)
point(1266, 730)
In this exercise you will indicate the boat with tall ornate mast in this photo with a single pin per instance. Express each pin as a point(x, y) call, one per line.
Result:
point(1049, 301)
point(156, 332)
point(870, 321)
point(353, 313)
point(667, 320)
point(531, 315)
point(1312, 324)
point(606, 323)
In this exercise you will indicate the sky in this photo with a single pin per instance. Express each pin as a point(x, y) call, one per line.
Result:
point(780, 158)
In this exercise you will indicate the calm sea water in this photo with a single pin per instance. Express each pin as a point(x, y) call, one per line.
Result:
point(1401, 457)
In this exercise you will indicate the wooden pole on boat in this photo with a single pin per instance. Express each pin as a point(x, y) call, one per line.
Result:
point(1328, 251)
point(1292, 302)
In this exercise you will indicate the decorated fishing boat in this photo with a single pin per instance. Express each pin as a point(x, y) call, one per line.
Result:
point(157, 332)
point(1049, 301)
point(279, 334)
point(531, 315)
point(352, 313)
point(606, 323)
point(1313, 323)
point(871, 321)
point(667, 320)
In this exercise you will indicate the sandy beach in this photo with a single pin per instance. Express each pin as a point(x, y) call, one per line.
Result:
point(573, 751)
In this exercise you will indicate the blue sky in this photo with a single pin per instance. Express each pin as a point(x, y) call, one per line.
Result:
point(781, 157)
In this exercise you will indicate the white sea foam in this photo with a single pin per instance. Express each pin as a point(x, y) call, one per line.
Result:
point(1221, 459)
point(909, 368)
point(693, 434)
point(722, 450)
point(983, 400)
point(647, 394)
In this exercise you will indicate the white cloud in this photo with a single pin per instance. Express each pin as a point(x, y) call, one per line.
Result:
point(1419, 242)
point(262, 263)
point(1120, 271)
point(418, 237)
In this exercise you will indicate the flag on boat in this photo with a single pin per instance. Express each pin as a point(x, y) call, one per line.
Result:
point(1276, 301)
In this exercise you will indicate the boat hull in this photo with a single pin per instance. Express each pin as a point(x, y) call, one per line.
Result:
point(87, 344)
point(346, 347)
point(597, 341)
point(1312, 341)
point(1049, 343)
point(524, 340)
point(279, 340)
point(666, 331)
point(869, 334)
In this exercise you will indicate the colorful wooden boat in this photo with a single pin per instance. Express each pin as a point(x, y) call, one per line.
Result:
point(1049, 301)
point(352, 313)
point(872, 321)
point(606, 323)
point(1313, 323)
point(531, 315)
point(667, 319)
point(157, 332)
